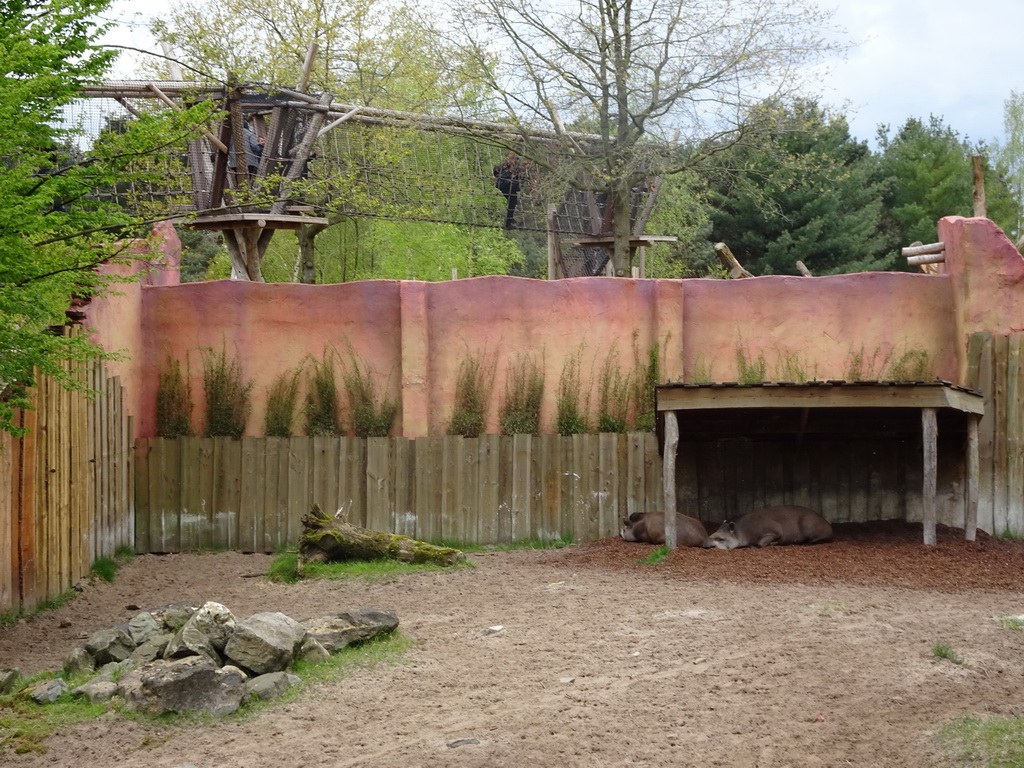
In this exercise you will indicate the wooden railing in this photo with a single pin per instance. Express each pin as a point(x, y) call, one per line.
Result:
point(251, 494)
point(66, 489)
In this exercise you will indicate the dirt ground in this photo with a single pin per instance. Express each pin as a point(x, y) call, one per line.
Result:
point(788, 656)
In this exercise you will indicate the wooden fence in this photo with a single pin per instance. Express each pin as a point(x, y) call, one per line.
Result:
point(66, 489)
point(251, 494)
point(996, 367)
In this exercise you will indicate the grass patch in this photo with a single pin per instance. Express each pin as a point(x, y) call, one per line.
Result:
point(997, 742)
point(173, 402)
point(571, 401)
point(50, 604)
point(943, 651)
point(657, 556)
point(285, 569)
point(25, 725)
point(1012, 622)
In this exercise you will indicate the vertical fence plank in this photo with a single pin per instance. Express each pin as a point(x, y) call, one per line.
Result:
point(451, 470)
point(252, 473)
point(489, 487)
point(522, 468)
point(8, 515)
point(1014, 427)
point(403, 481)
point(142, 490)
point(194, 504)
point(1000, 353)
point(299, 494)
point(27, 543)
point(275, 493)
point(379, 491)
point(608, 484)
point(979, 376)
point(207, 511)
point(469, 490)
point(548, 520)
point(635, 473)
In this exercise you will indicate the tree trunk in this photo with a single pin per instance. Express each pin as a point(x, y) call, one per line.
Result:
point(621, 229)
point(307, 254)
point(327, 539)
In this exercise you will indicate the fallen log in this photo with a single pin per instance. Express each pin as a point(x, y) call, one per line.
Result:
point(328, 539)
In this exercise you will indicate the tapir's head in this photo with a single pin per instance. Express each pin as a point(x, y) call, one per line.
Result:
point(627, 532)
point(724, 538)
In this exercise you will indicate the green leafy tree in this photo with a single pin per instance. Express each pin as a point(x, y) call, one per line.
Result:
point(662, 82)
point(52, 233)
point(929, 173)
point(809, 193)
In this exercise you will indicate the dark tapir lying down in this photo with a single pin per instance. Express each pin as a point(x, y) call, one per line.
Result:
point(650, 527)
point(774, 525)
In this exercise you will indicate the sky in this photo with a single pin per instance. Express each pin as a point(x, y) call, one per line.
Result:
point(956, 59)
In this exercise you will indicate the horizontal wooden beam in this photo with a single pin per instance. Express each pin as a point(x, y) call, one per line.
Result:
point(679, 398)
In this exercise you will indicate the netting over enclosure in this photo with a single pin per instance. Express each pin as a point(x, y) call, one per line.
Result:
point(363, 162)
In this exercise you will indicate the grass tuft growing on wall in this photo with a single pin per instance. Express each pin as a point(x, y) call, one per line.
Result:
point(372, 415)
point(524, 392)
point(472, 388)
point(227, 395)
point(571, 404)
point(282, 401)
point(321, 409)
point(614, 390)
point(173, 402)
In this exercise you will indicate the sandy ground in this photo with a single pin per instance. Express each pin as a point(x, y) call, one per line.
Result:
point(790, 656)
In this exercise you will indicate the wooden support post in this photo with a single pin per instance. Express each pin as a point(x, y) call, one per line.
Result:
point(929, 430)
point(973, 472)
point(553, 259)
point(669, 475)
point(725, 255)
point(978, 167)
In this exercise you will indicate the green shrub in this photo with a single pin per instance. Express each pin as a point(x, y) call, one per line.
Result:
point(524, 392)
point(572, 418)
point(173, 402)
point(369, 419)
point(750, 371)
point(472, 387)
point(645, 378)
point(282, 399)
point(613, 396)
point(227, 395)
point(322, 418)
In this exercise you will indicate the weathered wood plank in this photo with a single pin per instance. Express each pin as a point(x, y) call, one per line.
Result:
point(379, 490)
point(1000, 460)
point(1014, 426)
point(299, 492)
point(275, 493)
point(252, 474)
point(548, 519)
point(29, 578)
point(686, 484)
point(668, 473)
point(469, 490)
point(979, 376)
point(8, 525)
point(403, 481)
point(489, 488)
point(522, 482)
point(194, 504)
point(608, 484)
point(929, 441)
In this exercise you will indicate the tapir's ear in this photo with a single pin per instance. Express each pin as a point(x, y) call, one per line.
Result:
point(732, 526)
point(625, 522)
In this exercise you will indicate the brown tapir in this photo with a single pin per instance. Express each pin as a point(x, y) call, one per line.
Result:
point(650, 527)
point(774, 525)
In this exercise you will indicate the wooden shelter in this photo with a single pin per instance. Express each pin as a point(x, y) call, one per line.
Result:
point(802, 414)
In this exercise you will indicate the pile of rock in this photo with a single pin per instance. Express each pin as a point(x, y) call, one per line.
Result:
point(200, 658)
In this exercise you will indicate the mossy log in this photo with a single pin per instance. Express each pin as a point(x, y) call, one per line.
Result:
point(327, 539)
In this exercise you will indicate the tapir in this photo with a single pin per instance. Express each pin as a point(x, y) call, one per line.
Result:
point(773, 525)
point(649, 527)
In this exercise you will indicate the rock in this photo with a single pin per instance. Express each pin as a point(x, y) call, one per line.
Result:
point(173, 617)
point(108, 645)
point(204, 634)
point(151, 649)
point(193, 684)
point(339, 630)
point(265, 642)
point(312, 652)
point(96, 691)
point(269, 686)
point(114, 669)
point(143, 626)
point(8, 681)
point(47, 691)
point(79, 661)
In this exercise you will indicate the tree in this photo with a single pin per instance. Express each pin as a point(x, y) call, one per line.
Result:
point(809, 193)
point(647, 75)
point(53, 235)
point(929, 173)
point(1010, 155)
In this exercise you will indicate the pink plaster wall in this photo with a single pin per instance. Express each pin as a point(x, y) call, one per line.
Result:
point(414, 335)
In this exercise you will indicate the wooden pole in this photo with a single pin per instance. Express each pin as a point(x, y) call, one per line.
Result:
point(669, 475)
point(552, 243)
point(929, 430)
point(729, 261)
point(978, 166)
point(973, 471)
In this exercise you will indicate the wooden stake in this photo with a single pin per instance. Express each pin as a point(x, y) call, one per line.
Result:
point(669, 475)
point(929, 431)
point(978, 166)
